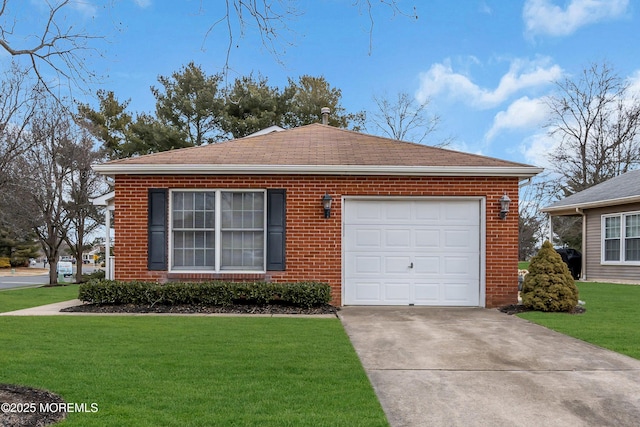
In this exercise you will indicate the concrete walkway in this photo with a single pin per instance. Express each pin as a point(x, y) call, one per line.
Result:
point(45, 310)
point(479, 367)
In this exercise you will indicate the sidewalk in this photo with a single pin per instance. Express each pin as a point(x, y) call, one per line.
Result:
point(45, 310)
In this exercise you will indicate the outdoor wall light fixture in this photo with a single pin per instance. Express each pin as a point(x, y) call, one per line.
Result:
point(505, 201)
point(326, 204)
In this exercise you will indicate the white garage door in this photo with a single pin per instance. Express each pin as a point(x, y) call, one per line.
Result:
point(422, 252)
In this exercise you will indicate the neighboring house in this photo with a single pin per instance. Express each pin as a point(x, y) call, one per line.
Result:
point(408, 223)
point(610, 228)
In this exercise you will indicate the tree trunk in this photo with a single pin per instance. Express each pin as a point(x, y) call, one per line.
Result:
point(53, 271)
point(79, 266)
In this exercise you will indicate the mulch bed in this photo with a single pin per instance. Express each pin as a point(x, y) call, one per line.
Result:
point(519, 308)
point(26, 406)
point(201, 309)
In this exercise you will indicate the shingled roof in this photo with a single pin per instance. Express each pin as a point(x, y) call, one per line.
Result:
point(319, 149)
point(619, 190)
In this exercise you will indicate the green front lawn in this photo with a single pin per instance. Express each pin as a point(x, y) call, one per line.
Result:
point(17, 299)
point(192, 371)
point(611, 319)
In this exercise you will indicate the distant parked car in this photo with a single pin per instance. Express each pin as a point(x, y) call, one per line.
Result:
point(573, 259)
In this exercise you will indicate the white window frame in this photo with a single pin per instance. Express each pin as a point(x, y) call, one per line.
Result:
point(217, 230)
point(623, 238)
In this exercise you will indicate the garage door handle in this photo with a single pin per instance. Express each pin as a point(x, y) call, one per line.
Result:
point(411, 265)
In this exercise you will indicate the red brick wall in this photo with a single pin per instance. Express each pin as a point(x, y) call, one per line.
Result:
point(313, 248)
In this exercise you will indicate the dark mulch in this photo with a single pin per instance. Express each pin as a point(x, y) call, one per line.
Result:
point(26, 406)
point(202, 309)
point(519, 308)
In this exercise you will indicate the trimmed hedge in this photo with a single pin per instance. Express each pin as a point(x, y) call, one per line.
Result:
point(300, 294)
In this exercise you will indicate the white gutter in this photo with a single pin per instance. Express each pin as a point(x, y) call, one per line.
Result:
point(592, 205)
point(525, 182)
point(209, 169)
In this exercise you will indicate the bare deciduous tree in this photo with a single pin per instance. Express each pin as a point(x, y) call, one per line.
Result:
point(17, 102)
point(54, 50)
point(532, 224)
point(81, 185)
point(405, 119)
point(35, 193)
point(597, 120)
point(270, 19)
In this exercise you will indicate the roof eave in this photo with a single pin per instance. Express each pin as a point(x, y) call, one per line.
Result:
point(573, 208)
point(199, 169)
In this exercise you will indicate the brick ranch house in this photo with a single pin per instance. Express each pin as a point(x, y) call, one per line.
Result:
point(408, 223)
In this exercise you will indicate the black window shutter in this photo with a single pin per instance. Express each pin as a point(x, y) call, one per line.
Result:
point(276, 229)
point(157, 256)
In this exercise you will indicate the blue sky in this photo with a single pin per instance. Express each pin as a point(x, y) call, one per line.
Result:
point(484, 64)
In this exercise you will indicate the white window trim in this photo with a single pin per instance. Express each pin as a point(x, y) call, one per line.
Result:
point(217, 231)
point(623, 238)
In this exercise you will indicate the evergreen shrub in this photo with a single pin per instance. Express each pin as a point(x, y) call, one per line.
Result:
point(220, 293)
point(549, 285)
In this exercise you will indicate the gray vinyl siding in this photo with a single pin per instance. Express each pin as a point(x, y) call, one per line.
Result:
point(595, 270)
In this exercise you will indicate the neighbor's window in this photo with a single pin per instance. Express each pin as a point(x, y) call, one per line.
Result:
point(612, 238)
point(234, 219)
point(632, 238)
point(621, 238)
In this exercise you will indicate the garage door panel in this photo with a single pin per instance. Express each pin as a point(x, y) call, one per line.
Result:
point(427, 238)
point(398, 238)
point(397, 264)
point(423, 252)
point(366, 212)
point(367, 264)
point(397, 292)
point(427, 265)
point(461, 293)
point(461, 213)
point(426, 213)
point(366, 292)
point(397, 212)
point(426, 293)
point(457, 265)
point(367, 238)
point(461, 238)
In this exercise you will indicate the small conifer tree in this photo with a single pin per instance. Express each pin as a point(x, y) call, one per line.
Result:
point(549, 285)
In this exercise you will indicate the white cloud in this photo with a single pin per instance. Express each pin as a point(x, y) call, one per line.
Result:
point(524, 113)
point(485, 8)
point(634, 83)
point(522, 74)
point(546, 18)
point(142, 3)
point(537, 147)
point(86, 8)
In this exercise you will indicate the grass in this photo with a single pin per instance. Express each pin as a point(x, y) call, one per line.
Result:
point(523, 265)
point(192, 371)
point(611, 319)
point(17, 299)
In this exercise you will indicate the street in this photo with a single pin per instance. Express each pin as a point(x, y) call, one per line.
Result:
point(39, 277)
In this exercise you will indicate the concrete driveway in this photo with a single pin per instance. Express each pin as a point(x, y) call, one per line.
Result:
point(479, 367)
